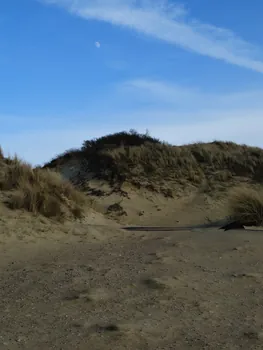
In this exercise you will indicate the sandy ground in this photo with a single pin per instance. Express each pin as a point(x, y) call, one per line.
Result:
point(144, 207)
point(99, 287)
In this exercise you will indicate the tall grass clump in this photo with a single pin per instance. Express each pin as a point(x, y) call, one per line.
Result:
point(246, 206)
point(40, 191)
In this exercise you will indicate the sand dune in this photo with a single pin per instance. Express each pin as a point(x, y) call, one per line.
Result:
point(136, 261)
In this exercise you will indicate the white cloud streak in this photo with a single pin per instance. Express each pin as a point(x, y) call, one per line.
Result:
point(191, 98)
point(167, 22)
point(241, 126)
point(203, 117)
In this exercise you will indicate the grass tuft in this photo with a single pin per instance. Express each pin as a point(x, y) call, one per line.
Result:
point(41, 191)
point(246, 206)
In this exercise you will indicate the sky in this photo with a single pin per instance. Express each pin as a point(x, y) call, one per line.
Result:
point(73, 70)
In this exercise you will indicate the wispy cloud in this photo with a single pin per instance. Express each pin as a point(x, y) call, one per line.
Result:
point(169, 22)
point(175, 114)
point(239, 126)
point(223, 126)
point(174, 95)
point(201, 116)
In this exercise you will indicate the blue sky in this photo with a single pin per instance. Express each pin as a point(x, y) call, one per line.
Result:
point(71, 70)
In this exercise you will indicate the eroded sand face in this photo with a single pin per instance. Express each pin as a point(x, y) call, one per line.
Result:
point(131, 290)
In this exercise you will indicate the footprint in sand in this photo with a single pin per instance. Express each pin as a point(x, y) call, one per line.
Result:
point(87, 295)
point(166, 257)
point(161, 283)
point(251, 275)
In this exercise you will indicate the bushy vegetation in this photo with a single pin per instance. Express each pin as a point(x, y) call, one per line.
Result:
point(246, 206)
point(133, 157)
point(119, 139)
point(144, 161)
point(41, 191)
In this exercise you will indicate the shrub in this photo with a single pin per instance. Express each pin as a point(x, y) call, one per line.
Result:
point(39, 190)
point(140, 158)
point(246, 205)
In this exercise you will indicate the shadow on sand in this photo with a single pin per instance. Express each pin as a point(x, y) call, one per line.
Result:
point(223, 224)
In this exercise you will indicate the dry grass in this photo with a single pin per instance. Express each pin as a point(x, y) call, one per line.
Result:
point(40, 191)
point(246, 205)
point(141, 159)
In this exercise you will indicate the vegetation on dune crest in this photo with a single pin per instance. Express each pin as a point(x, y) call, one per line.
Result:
point(144, 161)
point(133, 157)
point(39, 190)
point(120, 139)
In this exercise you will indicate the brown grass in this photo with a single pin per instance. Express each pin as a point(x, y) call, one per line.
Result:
point(40, 191)
point(1, 153)
point(141, 159)
point(246, 205)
